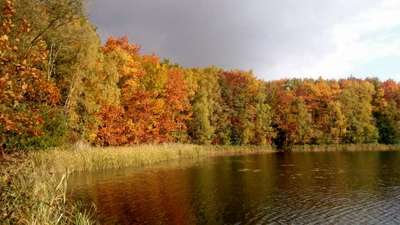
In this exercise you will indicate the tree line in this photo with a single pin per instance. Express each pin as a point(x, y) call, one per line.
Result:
point(59, 84)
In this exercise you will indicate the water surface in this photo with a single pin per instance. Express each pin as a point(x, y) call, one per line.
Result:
point(281, 188)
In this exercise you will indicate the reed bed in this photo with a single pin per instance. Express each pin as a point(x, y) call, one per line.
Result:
point(86, 158)
point(29, 195)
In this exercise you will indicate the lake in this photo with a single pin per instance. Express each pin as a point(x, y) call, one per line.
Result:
point(276, 188)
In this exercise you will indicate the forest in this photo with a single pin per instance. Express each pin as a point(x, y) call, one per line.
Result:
point(60, 84)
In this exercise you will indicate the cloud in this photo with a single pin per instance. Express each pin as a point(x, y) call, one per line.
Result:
point(275, 38)
point(371, 35)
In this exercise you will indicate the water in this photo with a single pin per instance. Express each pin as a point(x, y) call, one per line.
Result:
point(282, 188)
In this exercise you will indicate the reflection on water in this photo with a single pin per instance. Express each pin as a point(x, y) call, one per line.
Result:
point(282, 188)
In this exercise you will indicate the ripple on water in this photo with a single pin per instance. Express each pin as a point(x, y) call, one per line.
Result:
point(361, 208)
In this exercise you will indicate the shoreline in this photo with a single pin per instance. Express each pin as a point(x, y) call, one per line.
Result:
point(33, 185)
point(344, 148)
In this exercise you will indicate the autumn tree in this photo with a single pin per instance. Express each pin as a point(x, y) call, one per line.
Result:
point(263, 131)
point(208, 122)
point(356, 99)
point(386, 111)
point(153, 95)
point(114, 129)
point(249, 113)
point(201, 129)
point(29, 117)
point(321, 99)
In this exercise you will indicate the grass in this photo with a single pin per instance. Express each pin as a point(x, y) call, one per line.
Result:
point(87, 158)
point(29, 195)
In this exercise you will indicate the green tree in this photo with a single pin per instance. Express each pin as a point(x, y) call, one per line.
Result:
point(263, 131)
point(299, 121)
point(355, 99)
point(200, 126)
point(388, 124)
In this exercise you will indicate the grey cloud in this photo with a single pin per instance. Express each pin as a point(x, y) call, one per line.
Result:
point(247, 34)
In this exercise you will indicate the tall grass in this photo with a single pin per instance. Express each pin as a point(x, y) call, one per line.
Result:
point(29, 195)
point(88, 158)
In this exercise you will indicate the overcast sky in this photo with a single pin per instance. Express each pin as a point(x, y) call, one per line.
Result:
point(274, 38)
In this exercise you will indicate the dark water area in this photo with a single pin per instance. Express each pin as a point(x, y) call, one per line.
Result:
point(281, 188)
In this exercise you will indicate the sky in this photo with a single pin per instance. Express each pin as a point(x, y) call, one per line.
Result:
point(274, 38)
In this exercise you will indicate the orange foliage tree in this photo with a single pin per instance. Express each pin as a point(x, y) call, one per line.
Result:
point(26, 93)
point(154, 99)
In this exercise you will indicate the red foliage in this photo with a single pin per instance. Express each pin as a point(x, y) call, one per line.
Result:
point(24, 85)
point(113, 130)
point(122, 43)
point(392, 91)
